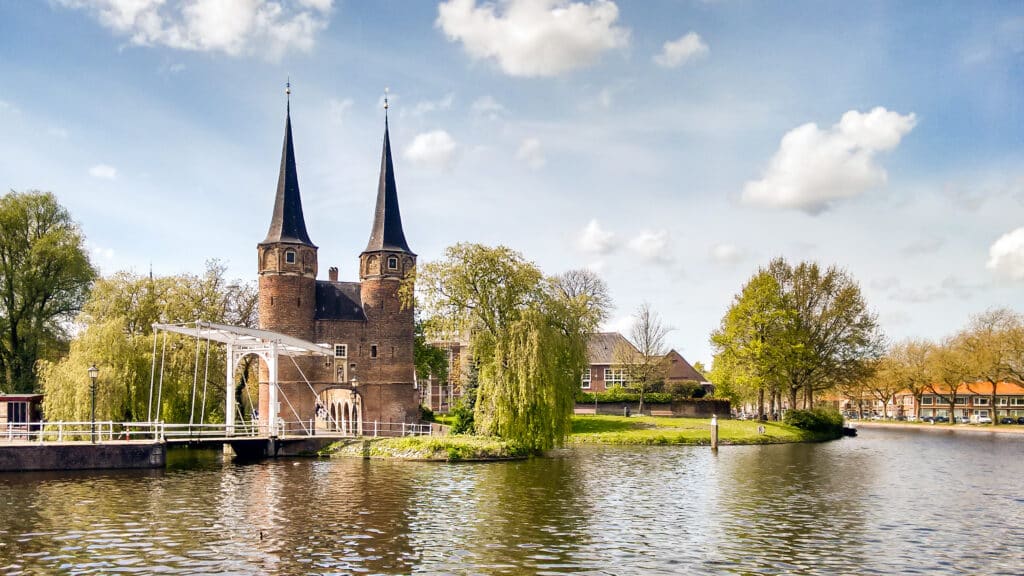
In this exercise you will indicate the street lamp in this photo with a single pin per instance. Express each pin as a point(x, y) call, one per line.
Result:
point(94, 372)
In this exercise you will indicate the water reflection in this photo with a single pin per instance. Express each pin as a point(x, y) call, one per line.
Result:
point(886, 502)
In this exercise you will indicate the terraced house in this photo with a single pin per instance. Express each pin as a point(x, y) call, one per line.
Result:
point(970, 400)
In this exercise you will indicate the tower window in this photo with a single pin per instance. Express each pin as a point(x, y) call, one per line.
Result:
point(393, 263)
point(340, 350)
point(289, 257)
point(373, 351)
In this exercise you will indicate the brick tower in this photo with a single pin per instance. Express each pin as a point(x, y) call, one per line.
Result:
point(287, 270)
point(383, 266)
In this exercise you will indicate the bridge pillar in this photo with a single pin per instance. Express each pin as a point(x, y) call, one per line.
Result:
point(229, 391)
point(272, 392)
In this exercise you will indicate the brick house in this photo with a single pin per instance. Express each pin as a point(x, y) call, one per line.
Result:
point(972, 401)
point(604, 371)
point(371, 376)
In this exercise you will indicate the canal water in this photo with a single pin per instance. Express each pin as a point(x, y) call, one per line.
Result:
point(903, 501)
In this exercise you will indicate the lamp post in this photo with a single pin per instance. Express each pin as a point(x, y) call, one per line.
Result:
point(94, 372)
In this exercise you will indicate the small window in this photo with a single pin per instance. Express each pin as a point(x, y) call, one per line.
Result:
point(979, 401)
point(341, 350)
point(927, 400)
point(586, 378)
point(393, 263)
point(289, 257)
point(373, 351)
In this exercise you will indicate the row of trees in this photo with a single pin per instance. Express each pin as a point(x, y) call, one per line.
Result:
point(115, 333)
point(792, 332)
point(990, 349)
point(527, 332)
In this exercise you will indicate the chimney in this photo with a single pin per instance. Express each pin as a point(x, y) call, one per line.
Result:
point(332, 273)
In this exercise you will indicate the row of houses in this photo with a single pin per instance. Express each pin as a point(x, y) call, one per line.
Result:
point(970, 400)
point(604, 369)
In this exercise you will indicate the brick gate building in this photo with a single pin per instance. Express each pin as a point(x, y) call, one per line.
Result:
point(370, 377)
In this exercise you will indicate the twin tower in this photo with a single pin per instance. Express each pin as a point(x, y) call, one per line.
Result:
point(370, 377)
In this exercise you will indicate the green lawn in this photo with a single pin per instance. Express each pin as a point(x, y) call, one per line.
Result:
point(448, 448)
point(667, 431)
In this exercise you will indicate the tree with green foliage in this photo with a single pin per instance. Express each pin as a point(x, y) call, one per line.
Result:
point(116, 334)
point(527, 337)
point(907, 365)
point(644, 362)
point(993, 344)
point(800, 328)
point(948, 367)
point(45, 275)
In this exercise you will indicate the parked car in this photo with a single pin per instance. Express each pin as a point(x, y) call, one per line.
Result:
point(940, 419)
point(965, 420)
point(1007, 420)
point(928, 419)
point(982, 420)
point(1020, 420)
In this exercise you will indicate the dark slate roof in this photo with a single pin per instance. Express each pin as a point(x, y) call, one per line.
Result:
point(338, 301)
point(287, 223)
point(387, 233)
point(601, 347)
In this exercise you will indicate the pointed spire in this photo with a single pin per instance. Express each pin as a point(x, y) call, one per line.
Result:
point(387, 233)
point(287, 223)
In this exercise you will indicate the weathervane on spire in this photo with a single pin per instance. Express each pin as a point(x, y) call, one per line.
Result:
point(385, 103)
point(288, 92)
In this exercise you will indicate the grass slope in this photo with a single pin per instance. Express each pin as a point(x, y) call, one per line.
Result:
point(649, 430)
point(435, 448)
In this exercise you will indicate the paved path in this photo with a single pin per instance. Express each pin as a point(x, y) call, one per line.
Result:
point(975, 428)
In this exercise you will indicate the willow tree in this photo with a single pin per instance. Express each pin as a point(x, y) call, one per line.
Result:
point(527, 336)
point(115, 333)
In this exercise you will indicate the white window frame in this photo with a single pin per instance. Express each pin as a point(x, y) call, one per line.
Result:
point(980, 401)
point(289, 257)
point(1002, 401)
point(393, 259)
point(586, 379)
point(615, 376)
point(341, 350)
point(927, 400)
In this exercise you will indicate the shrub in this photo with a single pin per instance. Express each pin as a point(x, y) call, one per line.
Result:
point(685, 389)
point(426, 414)
point(462, 419)
point(820, 420)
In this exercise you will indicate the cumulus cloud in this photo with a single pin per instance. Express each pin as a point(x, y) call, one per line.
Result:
point(436, 149)
point(231, 26)
point(815, 168)
point(687, 48)
point(726, 254)
point(1006, 255)
point(652, 245)
point(337, 110)
point(488, 107)
point(597, 240)
point(428, 106)
point(103, 172)
point(531, 153)
point(534, 37)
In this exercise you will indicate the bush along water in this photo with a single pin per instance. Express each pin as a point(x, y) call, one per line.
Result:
point(823, 421)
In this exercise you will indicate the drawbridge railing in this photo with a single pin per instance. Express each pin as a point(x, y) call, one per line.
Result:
point(108, 431)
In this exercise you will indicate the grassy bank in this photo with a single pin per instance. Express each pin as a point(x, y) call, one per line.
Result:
point(647, 430)
point(432, 448)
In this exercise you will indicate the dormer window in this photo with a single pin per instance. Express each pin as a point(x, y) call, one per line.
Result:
point(289, 257)
point(393, 263)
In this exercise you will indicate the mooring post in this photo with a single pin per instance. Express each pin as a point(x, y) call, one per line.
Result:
point(714, 433)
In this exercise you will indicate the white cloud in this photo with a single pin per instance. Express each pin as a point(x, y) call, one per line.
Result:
point(1006, 255)
point(620, 324)
point(231, 26)
point(436, 149)
point(596, 240)
point(427, 106)
point(103, 171)
point(652, 245)
point(531, 153)
point(726, 254)
point(487, 106)
point(534, 37)
point(338, 109)
point(815, 168)
point(687, 48)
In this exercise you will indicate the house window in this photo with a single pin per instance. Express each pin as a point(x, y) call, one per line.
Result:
point(961, 401)
point(981, 413)
point(373, 351)
point(341, 350)
point(979, 401)
point(1017, 401)
point(16, 412)
point(927, 400)
point(392, 263)
point(586, 378)
point(1002, 401)
point(289, 257)
point(614, 376)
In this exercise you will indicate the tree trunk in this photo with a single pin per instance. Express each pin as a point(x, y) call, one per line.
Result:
point(792, 397)
point(773, 409)
point(760, 403)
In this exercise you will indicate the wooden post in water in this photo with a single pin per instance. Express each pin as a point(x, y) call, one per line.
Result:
point(714, 433)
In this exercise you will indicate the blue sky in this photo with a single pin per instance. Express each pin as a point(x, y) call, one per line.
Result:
point(672, 146)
